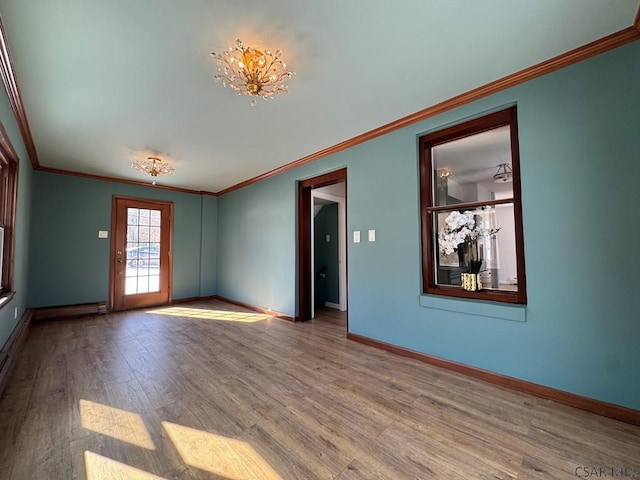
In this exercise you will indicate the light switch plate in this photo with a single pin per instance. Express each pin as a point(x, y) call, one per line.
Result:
point(356, 236)
point(103, 234)
point(372, 235)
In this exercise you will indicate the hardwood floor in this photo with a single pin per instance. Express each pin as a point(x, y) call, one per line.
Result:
point(212, 391)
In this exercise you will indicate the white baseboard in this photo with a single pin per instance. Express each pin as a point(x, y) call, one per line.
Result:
point(332, 305)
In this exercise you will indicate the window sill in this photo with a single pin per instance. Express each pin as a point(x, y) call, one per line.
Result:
point(515, 313)
point(5, 298)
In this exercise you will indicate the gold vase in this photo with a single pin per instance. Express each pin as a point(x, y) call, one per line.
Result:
point(471, 282)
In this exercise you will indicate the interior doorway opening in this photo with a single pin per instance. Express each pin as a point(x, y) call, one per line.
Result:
point(328, 247)
point(322, 247)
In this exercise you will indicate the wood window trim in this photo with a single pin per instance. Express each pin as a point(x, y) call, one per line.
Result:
point(427, 209)
point(8, 201)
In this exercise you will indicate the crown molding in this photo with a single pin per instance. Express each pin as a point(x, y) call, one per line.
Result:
point(584, 52)
point(15, 99)
point(104, 178)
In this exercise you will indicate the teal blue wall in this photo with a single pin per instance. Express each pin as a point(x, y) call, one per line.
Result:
point(209, 246)
point(8, 319)
point(256, 245)
point(326, 253)
point(69, 264)
point(579, 146)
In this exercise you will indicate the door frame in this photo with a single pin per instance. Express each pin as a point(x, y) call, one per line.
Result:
point(304, 237)
point(113, 247)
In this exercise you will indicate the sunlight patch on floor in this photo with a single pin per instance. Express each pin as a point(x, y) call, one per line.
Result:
point(227, 457)
point(103, 468)
point(113, 422)
point(210, 314)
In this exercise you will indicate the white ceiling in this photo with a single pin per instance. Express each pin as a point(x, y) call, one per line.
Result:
point(107, 81)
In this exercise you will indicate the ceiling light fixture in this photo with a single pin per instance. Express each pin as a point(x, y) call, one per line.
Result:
point(444, 174)
point(504, 174)
point(153, 166)
point(250, 71)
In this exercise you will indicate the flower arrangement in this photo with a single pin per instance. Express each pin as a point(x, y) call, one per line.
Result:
point(462, 228)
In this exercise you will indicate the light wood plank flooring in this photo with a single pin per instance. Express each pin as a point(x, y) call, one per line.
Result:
point(211, 391)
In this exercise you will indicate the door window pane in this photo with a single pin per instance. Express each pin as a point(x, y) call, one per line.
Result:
point(143, 251)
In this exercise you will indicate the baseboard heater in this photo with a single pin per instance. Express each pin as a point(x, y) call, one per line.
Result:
point(47, 313)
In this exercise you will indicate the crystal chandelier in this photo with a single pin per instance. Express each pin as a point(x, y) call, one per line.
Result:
point(153, 166)
point(249, 71)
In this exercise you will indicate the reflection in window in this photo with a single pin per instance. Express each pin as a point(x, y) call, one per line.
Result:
point(471, 213)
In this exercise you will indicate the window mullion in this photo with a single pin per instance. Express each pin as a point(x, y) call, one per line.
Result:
point(469, 205)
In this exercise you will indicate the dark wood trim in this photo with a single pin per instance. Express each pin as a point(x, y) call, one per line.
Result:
point(177, 301)
point(63, 311)
point(125, 181)
point(325, 179)
point(112, 247)
point(460, 206)
point(304, 235)
point(617, 412)
point(502, 296)
point(517, 209)
point(9, 171)
point(15, 99)
point(7, 152)
point(304, 253)
point(427, 142)
point(11, 206)
point(576, 55)
point(584, 52)
point(248, 306)
point(11, 348)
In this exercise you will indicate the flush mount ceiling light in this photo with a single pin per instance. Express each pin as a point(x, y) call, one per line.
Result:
point(153, 166)
point(444, 174)
point(504, 174)
point(250, 71)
